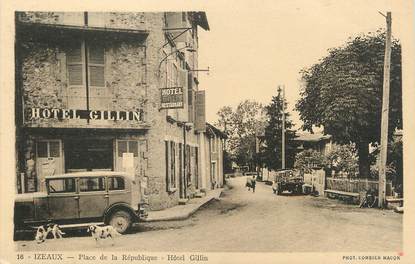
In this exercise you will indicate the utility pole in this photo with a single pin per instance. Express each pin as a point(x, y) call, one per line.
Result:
point(385, 112)
point(283, 129)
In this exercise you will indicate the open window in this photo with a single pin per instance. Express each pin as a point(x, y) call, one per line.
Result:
point(61, 185)
point(92, 184)
point(116, 183)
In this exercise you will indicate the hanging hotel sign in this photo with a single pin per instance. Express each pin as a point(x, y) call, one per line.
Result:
point(61, 114)
point(172, 97)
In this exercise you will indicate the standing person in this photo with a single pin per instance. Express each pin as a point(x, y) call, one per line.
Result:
point(253, 183)
point(248, 183)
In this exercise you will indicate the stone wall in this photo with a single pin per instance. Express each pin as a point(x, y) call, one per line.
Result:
point(45, 81)
point(132, 71)
point(120, 20)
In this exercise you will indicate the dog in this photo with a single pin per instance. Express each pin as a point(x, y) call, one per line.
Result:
point(55, 230)
point(43, 231)
point(103, 232)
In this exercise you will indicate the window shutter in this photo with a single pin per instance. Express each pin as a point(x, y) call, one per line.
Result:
point(96, 62)
point(74, 64)
point(173, 165)
point(74, 54)
point(75, 74)
point(166, 144)
point(96, 54)
point(62, 66)
point(183, 113)
point(200, 112)
point(96, 76)
point(190, 97)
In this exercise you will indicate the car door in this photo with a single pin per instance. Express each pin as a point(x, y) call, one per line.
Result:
point(62, 198)
point(93, 197)
point(119, 190)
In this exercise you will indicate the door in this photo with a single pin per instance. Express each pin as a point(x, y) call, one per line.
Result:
point(213, 174)
point(119, 190)
point(48, 160)
point(127, 146)
point(62, 199)
point(93, 197)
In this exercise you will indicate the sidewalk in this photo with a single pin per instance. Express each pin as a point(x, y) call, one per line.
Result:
point(180, 212)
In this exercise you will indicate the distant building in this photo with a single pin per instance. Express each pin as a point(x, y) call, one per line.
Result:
point(315, 141)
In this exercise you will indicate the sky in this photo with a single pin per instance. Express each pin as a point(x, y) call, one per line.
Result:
point(254, 46)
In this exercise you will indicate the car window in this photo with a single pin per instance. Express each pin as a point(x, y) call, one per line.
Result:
point(61, 185)
point(116, 183)
point(92, 184)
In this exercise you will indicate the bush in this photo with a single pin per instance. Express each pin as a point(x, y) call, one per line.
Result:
point(343, 158)
point(308, 159)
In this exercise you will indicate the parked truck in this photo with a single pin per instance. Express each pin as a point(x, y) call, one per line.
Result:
point(287, 180)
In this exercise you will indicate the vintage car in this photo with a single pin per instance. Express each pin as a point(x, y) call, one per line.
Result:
point(76, 199)
point(287, 180)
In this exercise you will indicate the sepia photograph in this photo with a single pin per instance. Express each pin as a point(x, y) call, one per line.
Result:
point(240, 127)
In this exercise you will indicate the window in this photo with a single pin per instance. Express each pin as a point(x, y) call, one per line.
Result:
point(85, 64)
point(214, 144)
point(54, 149)
point(116, 183)
point(91, 184)
point(48, 149)
point(96, 65)
point(170, 156)
point(61, 186)
point(127, 146)
point(75, 59)
point(42, 149)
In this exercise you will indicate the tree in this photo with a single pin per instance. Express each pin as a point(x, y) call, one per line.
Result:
point(394, 167)
point(271, 155)
point(342, 158)
point(343, 93)
point(241, 126)
point(308, 159)
point(395, 160)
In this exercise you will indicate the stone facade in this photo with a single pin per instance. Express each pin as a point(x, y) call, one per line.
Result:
point(134, 72)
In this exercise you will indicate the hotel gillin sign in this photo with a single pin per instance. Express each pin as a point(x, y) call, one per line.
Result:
point(62, 114)
point(171, 98)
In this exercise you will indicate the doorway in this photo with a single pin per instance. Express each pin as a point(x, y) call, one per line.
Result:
point(88, 155)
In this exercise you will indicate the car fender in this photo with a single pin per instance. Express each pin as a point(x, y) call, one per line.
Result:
point(119, 206)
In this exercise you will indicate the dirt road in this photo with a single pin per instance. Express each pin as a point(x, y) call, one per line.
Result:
point(243, 221)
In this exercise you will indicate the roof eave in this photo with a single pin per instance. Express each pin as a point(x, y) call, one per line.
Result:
point(201, 20)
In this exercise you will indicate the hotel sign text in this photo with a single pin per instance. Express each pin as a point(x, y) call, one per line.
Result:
point(172, 97)
point(61, 114)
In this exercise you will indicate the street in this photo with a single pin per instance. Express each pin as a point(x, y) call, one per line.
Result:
point(243, 221)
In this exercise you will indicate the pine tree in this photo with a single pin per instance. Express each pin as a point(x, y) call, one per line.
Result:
point(271, 153)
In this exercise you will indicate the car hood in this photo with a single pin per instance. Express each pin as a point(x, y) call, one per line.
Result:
point(29, 197)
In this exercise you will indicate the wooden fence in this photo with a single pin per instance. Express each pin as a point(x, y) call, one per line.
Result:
point(355, 185)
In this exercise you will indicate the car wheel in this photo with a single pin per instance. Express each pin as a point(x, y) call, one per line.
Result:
point(121, 221)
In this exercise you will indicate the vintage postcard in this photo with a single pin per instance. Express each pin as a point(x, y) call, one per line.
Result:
point(207, 132)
